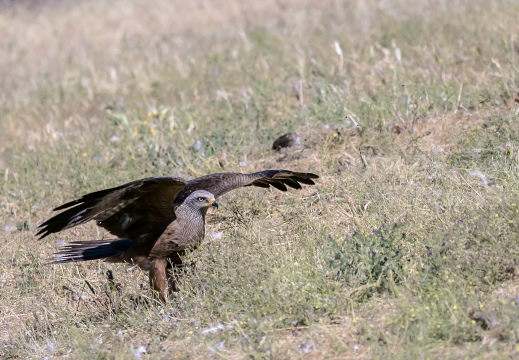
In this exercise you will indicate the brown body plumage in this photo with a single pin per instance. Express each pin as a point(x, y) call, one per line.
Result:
point(155, 219)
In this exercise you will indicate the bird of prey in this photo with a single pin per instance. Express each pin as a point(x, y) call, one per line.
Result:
point(155, 220)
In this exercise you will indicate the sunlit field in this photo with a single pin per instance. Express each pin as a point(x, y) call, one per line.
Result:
point(407, 247)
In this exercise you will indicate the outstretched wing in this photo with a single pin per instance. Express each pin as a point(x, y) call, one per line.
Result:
point(127, 211)
point(221, 183)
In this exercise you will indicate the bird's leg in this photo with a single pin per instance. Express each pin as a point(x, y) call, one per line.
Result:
point(172, 281)
point(174, 265)
point(158, 277)
point(172, 276)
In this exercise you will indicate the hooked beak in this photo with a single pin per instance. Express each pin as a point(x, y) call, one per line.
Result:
point(214, 203)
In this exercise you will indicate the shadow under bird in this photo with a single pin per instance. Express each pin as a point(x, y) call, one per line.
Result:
point(155, 219)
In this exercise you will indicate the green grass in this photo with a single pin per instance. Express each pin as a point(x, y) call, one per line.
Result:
point(408, 111)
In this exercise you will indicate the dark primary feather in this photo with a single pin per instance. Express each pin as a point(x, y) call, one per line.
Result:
point(221, 183)
point(118, 210)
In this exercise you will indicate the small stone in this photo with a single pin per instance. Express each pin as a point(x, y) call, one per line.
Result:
point(287, 140)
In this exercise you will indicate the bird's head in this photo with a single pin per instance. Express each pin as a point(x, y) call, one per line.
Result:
point(201, 199)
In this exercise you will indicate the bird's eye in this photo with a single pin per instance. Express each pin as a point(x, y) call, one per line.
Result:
point(200, 199)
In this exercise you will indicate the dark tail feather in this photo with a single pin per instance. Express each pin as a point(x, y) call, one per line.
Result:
point(91, 250)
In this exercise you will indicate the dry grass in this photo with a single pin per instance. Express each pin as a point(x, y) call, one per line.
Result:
point(408, 110)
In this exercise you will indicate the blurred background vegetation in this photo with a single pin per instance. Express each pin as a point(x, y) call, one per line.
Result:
point(408, 111)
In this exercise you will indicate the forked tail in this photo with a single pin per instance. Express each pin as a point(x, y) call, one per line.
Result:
point(91, 250)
